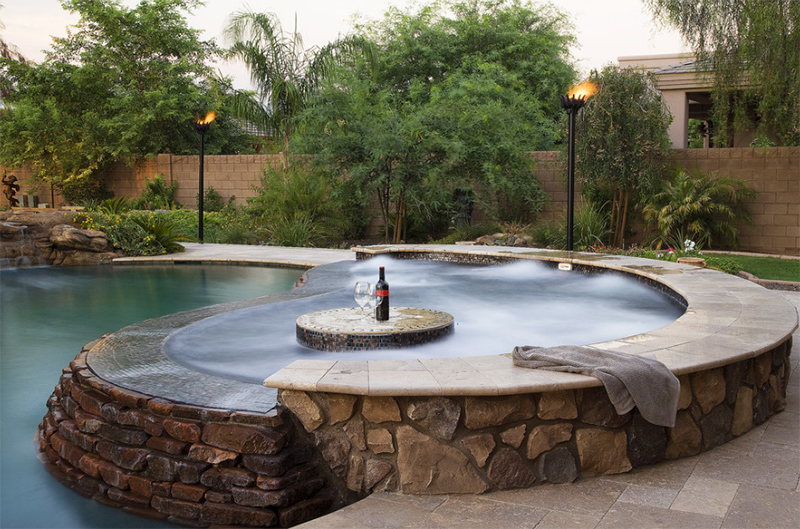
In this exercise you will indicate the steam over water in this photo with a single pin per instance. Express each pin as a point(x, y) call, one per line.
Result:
point(495, 309)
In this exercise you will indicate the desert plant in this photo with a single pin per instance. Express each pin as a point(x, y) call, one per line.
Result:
point(163, 231)
point(697, 206)
point(115, 206)
point(297, 230)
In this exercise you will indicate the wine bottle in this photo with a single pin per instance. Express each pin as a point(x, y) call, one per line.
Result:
point(382, 292)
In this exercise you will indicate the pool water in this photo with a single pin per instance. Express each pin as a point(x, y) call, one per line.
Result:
point(46, 316)
point(495, 309)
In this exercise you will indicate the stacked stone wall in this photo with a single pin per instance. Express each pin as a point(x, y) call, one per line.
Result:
point(451, 445)
point(184, 464)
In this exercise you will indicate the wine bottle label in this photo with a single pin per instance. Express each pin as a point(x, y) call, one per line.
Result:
point(382, 293)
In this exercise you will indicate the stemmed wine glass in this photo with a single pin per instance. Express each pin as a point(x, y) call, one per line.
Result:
point(373, 299)
point(362, 292)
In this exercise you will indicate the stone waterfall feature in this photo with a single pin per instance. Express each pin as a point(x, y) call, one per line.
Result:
point(49, 238)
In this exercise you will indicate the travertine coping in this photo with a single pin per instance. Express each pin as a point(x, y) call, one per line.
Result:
point(727, 319)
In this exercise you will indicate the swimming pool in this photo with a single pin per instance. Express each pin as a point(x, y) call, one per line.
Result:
point(46, 315)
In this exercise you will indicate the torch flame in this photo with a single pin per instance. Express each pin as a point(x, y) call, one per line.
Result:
point(211, 116)
point(585, 90)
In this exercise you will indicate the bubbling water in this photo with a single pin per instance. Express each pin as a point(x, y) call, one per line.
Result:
point(495, 308)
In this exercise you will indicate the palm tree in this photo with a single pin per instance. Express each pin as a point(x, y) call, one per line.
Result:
point(699, 207)
point(284, 72)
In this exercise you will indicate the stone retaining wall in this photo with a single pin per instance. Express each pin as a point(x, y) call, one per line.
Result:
point(437, 445)
point(184, 464)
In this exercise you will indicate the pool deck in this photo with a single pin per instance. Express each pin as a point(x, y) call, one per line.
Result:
point(751, 481)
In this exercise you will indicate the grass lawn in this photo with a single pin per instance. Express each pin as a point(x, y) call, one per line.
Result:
point(767, 267)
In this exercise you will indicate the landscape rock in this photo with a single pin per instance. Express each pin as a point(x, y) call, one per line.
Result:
point(602, 451)
point(558, 466)
point(508, 470)
point(427, 466)
point(439, 416)
point(483, 412)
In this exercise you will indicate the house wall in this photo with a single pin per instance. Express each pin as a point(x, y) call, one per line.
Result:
point(773, 172)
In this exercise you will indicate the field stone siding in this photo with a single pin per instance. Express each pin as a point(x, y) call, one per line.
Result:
point(185, 465)
point(450, 445)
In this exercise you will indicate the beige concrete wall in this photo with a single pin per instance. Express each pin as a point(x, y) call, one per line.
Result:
point(774, 173)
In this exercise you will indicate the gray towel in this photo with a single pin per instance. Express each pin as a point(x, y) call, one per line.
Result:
point(629, 380)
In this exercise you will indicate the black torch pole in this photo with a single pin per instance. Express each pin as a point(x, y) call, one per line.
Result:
point(200, 198)
point(201, 129)
point(571, 104)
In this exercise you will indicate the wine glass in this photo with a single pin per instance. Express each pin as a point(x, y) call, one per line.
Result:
point(361, 293)
point(373, 299)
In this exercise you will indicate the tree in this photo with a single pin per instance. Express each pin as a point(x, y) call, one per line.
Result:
point(125, 84)
point(621, 143)
point(753, 49)
point(8, 52)
point(465, 89)
point(284, 72)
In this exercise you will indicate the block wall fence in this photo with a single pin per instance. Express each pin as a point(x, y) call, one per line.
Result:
point(774, 173)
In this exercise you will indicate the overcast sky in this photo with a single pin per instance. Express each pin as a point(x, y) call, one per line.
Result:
point(605, 30)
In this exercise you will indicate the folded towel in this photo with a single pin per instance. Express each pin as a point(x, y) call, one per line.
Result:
point(629, 380)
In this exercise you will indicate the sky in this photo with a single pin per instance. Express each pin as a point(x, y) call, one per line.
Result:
point(605, 30)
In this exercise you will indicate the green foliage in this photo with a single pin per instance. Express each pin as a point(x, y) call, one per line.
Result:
point(284, 72)
point(752, 48)
point(621, 143)
point(591, 229)
point(124, 84)
point(466, 233)
point(299, 205)
point(696, 134)
point(297, 230)
point(157, 194)
point(140, 232)
point(135, 232)
point(697, 206)
point(82, 192)
point(549, 234)
point(729, 265)
point(212, 200)
point(465, 89)
point(163, 231)
point(115, 206)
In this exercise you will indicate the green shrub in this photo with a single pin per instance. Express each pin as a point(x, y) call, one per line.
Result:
point(82, 191)
point(135, 233)
point(115, 206)
point(157, 195)
point(549, 234)
point(163, 231)
point(699, 207)
point(466, 233)
point(299, 230)
point(592, 226)
point(212, 201)
point(299, 204)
